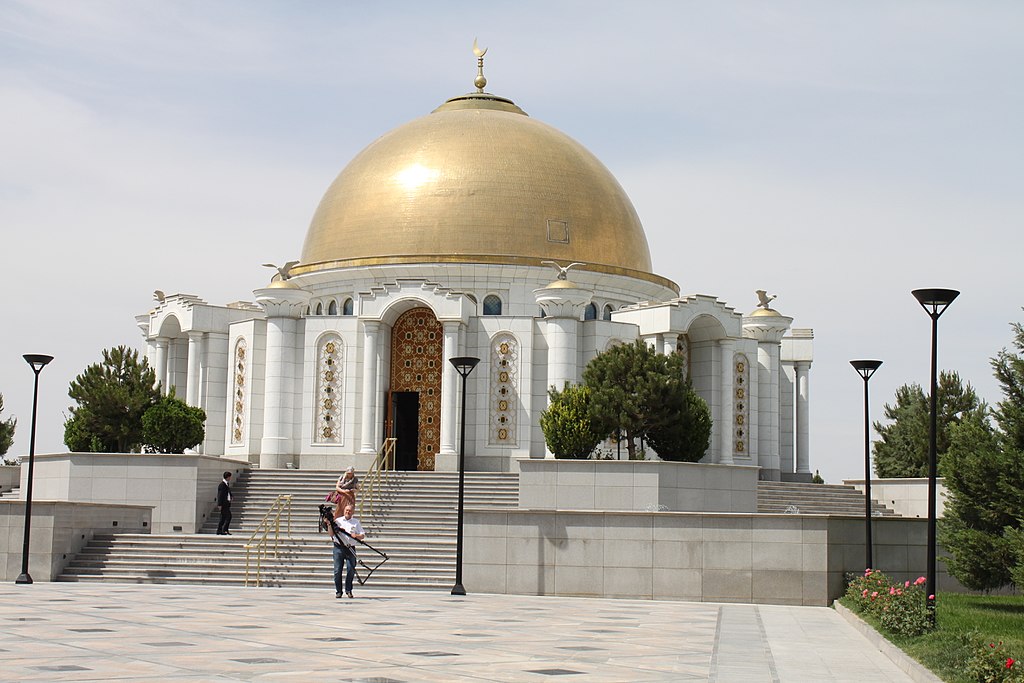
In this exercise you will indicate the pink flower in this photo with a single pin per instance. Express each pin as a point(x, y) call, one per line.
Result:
point(892, 590)
point(864, 594)
point(931, 597)
point(906, 584)
point(919, 580)
point(874, 594)
point(991, 644)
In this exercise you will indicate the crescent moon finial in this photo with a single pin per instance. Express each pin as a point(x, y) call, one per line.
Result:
point(480, 81)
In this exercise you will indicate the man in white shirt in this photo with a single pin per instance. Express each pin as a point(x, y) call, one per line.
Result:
point(345, 549)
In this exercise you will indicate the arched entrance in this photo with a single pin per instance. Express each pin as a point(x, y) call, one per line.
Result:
point(414, 400)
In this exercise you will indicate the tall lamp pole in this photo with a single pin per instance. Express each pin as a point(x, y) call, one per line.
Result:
point(464, 365)
point(934, 302)
point(866, 368)
point(37, 361)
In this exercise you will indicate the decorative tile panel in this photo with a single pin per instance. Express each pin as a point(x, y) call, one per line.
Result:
point(417, 344)
point(741, 404)
point(238, 392)
point(504, 390)
point(329, 364)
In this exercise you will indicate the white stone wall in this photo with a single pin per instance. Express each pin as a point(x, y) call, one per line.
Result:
point(180, 488)
point(59, 530)
point(636, 485)
point(749, 558)
point(907, 497)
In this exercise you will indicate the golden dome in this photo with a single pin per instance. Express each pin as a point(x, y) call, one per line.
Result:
point(764, 312)
point(476, 181)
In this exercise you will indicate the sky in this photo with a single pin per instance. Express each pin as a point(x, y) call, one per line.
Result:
point(836, 154)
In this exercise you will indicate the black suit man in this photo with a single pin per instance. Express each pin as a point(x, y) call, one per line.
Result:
point(224, 501)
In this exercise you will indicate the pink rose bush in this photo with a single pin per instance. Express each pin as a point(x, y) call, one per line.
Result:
point(899, 605)
point(990, 663)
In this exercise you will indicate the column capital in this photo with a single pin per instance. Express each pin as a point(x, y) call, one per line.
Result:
point(563, 299)
point(195, 335)
point(282, 300)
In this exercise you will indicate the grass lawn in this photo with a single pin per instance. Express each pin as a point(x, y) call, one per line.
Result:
point(995, 618)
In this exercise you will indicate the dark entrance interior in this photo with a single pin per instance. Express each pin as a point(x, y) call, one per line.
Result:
point(406, 415)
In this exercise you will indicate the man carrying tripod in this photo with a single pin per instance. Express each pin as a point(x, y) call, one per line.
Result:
point(345, 531)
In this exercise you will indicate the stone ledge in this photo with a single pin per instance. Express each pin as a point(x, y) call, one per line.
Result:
point(907, 664)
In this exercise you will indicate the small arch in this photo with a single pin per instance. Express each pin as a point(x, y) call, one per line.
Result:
point(308, 310)
point(320, 308)
point(590, 312)
point(346, 308)
point(332, 308)
point(492, 304)
point(607, 312)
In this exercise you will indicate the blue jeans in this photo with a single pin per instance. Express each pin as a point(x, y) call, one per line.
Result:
point(346, 557)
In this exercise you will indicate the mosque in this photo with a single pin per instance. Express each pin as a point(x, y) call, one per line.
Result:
point(478, 231)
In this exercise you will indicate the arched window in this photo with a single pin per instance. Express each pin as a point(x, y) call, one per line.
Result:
point(607, 312)
point(346, 308)
point(492, 304)
point(332, 308)
point(591, 312)
point(308, 310)
point(542, 314)
point(320, 308)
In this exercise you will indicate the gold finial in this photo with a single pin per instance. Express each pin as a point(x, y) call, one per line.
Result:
point(480, 81)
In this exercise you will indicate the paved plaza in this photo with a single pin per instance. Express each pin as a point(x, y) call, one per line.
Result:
point(92, 632)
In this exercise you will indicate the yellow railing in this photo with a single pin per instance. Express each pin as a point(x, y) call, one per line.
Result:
point(372, 488)
point(267, 537)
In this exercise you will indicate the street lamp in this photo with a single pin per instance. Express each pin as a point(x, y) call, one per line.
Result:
point(464, 365)
point(934, 302)
point(866, 368)
point(38, 361)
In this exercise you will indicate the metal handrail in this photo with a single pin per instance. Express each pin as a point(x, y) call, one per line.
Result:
point(376, 479)
point(270, 522)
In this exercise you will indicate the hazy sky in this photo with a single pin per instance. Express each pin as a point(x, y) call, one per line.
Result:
point(837, 154)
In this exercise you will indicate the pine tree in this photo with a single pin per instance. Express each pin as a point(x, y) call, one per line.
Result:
point(984, 476)
point(569, 431)
point(6, 430)
point(642, 394)
point(902, 449)
point(111, 397)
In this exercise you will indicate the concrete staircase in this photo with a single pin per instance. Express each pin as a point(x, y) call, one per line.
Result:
point(416, 527)
point(775, 497)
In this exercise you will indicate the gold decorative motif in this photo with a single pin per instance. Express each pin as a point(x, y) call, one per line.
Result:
point(418, 361)
point(503, 389)
point(741, 373)
point(328, 384)
point(238, 432)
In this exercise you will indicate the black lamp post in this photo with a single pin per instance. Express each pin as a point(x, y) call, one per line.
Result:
point(464, 365)
point(866, 368)
point(38, 362)
point(934, 302)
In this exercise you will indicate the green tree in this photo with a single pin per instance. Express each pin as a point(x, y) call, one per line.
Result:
point(984, 475)
point(569, 430)
point(171, 426)
point(6, 430)
point(685, 437)
point(111, 397)
point(637, 392)
point(902, 449)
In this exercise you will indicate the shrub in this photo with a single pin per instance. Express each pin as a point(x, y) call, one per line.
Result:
point(569, 430)
point(989, 662)
point(172, 425)
point(900, 608)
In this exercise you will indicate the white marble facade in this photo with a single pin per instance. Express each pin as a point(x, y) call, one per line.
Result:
point(263, 405)
point(303, 376)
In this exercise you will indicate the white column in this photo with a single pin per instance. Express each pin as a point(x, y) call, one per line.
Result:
point(802, 417)
point(562, 340)
point(450, 388)
point(726, 412)
point(161, 362)
point(272, 447)
point(283, 303)
point(195, 354)
point(371, 334)
point(774, 465)
point(668, 343)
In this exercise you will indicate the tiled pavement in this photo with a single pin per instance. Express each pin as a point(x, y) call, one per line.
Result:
point(89, 632)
